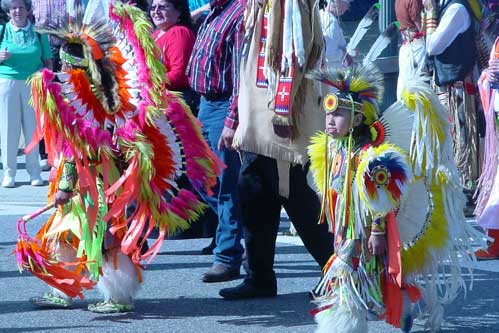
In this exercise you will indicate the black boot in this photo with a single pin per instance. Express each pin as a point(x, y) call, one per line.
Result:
point(248, 290)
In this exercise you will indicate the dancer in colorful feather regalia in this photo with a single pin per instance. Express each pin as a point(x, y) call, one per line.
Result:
point(119, 140)
point(391, 196)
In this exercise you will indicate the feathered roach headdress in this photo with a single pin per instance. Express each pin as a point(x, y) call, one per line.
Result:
point(99, 61)
point(358, 88)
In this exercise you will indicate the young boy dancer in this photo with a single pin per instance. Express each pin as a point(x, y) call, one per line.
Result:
point(391, 195)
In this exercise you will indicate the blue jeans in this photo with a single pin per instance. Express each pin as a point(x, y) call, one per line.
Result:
point(228, 250)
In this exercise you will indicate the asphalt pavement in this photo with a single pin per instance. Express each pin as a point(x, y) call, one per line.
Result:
point(173, 298)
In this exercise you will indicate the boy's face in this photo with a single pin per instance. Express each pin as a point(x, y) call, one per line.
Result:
point(338, 122)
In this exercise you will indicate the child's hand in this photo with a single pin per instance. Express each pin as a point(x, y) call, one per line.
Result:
point(377, 244)
point(62, 198)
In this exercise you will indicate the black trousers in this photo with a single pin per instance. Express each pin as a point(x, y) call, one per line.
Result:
point(261, 203)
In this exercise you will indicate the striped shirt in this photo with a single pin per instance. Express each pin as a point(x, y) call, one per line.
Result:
point(214, 64)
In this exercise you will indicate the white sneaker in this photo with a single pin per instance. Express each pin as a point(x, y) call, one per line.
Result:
point(37, 182)
point(44, 165)
point(8, 182)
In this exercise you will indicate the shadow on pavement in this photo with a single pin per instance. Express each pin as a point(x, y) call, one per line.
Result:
point(46, 328)
point(298, 275)
point(280, 265)
point(14, 274)
point(178, 265)
point(293, 249)
point(181, 253)
point(26, 306)
point(272, 312)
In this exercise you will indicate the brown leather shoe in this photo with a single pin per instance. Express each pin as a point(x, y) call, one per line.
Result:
point(220, 273)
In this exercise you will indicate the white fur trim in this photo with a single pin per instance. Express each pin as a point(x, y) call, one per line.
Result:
point(340, 318)
point(120, 284)
point(64, 252)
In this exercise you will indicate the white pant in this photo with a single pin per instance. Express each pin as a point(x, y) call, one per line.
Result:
point(411, 62)
point(14, 113)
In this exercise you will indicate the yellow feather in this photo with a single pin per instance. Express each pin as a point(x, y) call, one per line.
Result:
point(476, 9)
point(434, 238)
point(317, 151)
point(433, 125)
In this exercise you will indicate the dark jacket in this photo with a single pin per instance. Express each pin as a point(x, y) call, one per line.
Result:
point(458, 59)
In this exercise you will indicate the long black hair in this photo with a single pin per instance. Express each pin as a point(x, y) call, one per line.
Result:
point(362, 134)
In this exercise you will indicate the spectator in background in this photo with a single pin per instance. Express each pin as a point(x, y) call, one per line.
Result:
point(22, 53)
point(487, 210)
point(214, 73)
point(175, 39)
point(412, 51)
point(334, 39)
point(487, 207)
point(49, 13)
point(452, 50)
